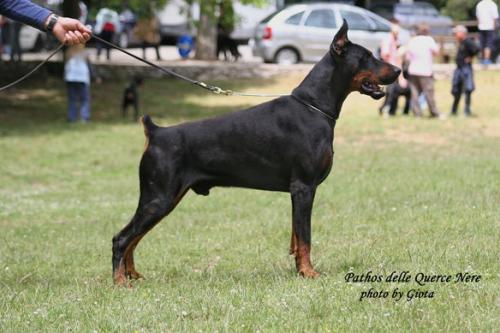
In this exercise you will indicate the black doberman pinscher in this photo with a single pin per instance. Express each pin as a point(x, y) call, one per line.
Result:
point(281, 145)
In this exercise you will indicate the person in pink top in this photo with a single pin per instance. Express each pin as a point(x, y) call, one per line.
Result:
point(392, 52)
point(419, 53)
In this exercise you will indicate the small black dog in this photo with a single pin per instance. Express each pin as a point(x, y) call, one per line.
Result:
point(282, 145)
point(225, 45)
point(131, 97)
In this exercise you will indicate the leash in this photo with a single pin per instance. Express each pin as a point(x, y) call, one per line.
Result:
point(25, 76)
point(214, 89)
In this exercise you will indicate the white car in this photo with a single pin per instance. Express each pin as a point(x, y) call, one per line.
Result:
point(31, 39)
point(304, 32)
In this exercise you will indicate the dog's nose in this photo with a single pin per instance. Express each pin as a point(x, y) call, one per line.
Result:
point(397, 71)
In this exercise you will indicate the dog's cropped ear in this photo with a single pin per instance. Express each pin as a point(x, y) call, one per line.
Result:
point(340, 40)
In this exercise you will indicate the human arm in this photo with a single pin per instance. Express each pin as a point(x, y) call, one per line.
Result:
point(25, 11)
point(434, 47)
point(66, 30)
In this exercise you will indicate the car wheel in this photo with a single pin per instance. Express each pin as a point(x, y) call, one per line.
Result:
point(286, 56)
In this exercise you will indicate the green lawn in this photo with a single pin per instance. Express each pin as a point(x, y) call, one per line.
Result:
point(404, 194)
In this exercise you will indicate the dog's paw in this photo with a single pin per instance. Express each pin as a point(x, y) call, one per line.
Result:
point(308, 273)
point(135, 275)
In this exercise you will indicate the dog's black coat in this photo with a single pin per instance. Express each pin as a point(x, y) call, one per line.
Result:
point(281, 145)
point(225, 45)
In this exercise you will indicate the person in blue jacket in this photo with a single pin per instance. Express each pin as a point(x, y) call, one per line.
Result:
point(66, 30)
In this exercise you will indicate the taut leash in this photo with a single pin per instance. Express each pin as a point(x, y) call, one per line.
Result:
point(214, 89)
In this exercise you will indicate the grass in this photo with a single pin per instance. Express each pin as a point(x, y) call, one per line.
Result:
point(404, 194)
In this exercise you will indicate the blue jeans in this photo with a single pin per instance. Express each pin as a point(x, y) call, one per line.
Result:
point(78, 93)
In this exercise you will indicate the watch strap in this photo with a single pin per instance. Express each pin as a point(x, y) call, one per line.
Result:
point(52, 22)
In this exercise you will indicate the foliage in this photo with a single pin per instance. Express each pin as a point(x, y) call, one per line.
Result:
point(460, 9)
point(403, 194)
point(140, 7)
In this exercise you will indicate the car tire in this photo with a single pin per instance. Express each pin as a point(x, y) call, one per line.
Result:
point(286, 56)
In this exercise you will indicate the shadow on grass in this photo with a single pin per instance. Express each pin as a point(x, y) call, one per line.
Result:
point(40, 107)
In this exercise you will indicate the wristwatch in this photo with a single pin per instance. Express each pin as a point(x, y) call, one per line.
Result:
point(52, 22)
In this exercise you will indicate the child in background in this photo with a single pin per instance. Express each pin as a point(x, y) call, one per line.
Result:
point(77, 77)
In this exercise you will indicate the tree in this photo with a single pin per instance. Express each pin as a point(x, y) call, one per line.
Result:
point(140, 7)
point(206, 38)
point(210, 14)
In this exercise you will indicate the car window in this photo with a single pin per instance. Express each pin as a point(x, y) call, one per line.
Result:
point(268, 18)
point(321, 18)
point(384, 11)
point(356, 21)
point(379, 24)
point(430, 11)
point(403, 9)
point(295, 19)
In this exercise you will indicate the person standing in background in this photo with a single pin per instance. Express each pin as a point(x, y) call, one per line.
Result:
point(14, 42)
point(486, 14)
point(147, 30)
point(77, 78)
point(419, 53)
point(463, 79)
point(107, 24)
point(389, 53)
point(2, 32)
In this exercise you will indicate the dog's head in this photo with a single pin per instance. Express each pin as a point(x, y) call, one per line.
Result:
point(366, 71)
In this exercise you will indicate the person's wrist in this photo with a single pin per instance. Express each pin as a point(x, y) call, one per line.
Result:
point(51, 22)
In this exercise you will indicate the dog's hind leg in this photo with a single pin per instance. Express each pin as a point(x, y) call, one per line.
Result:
point(161, 187)
point(302, 203)
point(151, 209)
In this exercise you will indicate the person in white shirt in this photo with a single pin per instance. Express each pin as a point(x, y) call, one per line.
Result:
point(77, 76)
point(419, 53)
point(487, 14)
point(106, 26)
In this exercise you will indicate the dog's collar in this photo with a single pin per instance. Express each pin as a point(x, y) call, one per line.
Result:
point(312, 107)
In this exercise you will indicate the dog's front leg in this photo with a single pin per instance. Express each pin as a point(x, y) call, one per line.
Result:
point(302, 203)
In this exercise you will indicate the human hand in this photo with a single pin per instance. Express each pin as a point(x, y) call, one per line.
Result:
point(70, 31)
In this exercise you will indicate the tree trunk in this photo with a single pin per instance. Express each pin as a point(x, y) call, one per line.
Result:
point(206, 39)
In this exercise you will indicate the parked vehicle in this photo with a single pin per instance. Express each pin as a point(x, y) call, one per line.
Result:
point(31, 39)
point(174, 20)
point(411, 14)
point(304, 32)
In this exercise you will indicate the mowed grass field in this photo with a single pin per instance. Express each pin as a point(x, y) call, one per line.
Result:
point(404, 194)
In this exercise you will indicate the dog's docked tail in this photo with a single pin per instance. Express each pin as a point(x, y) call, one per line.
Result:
point(148, 125)
point(149, 128)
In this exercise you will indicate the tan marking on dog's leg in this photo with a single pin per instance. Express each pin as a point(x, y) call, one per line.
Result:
point(119, 277)
point(128, 257)
point(303, 261)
